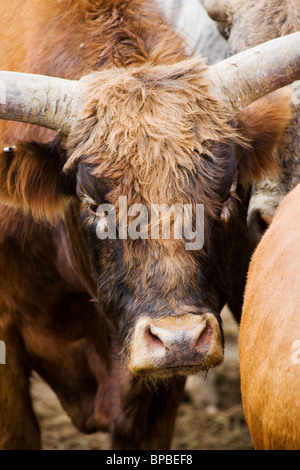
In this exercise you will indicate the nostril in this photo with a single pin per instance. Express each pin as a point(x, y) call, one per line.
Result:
point(204, 337)
point(172, 339)
point(154, 339)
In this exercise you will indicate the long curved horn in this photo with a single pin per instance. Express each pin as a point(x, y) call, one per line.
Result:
point(37, 99)
point(238, 81)
point(249, 75)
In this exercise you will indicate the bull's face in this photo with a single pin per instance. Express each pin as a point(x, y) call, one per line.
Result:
point(152, 135)
point(164, 298)
point(161, 138)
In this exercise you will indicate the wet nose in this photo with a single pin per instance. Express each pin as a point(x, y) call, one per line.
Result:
point(163, 340)
point(172, 345)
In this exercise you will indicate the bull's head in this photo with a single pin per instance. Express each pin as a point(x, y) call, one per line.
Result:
point(237, 21)
point(176, 134)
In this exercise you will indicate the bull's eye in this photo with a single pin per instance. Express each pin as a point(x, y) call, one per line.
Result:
point(90, 204)
point(99, 217)
point(93, 209)
point(228, 204)
point(228, 200)
point(226, 209)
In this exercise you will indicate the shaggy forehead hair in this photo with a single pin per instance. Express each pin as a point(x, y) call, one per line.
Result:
point(145, 130)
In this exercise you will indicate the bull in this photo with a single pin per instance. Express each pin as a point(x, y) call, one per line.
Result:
point(110, 106)
point(237, 21)
point(270, 323)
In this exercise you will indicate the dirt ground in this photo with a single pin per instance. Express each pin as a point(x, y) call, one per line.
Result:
point(210, 416)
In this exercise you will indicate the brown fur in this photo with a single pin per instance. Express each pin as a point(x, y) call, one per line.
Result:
point(155, 127)
point(270, 324)
point(28, 180)
point(156, 134)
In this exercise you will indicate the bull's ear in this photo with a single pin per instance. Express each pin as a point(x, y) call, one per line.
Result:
point(32, 178)
point(263, 124)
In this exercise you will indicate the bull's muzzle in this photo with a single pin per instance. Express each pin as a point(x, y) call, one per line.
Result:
point(175, 345)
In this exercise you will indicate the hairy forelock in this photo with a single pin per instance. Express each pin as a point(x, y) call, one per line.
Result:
point(146, 129)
